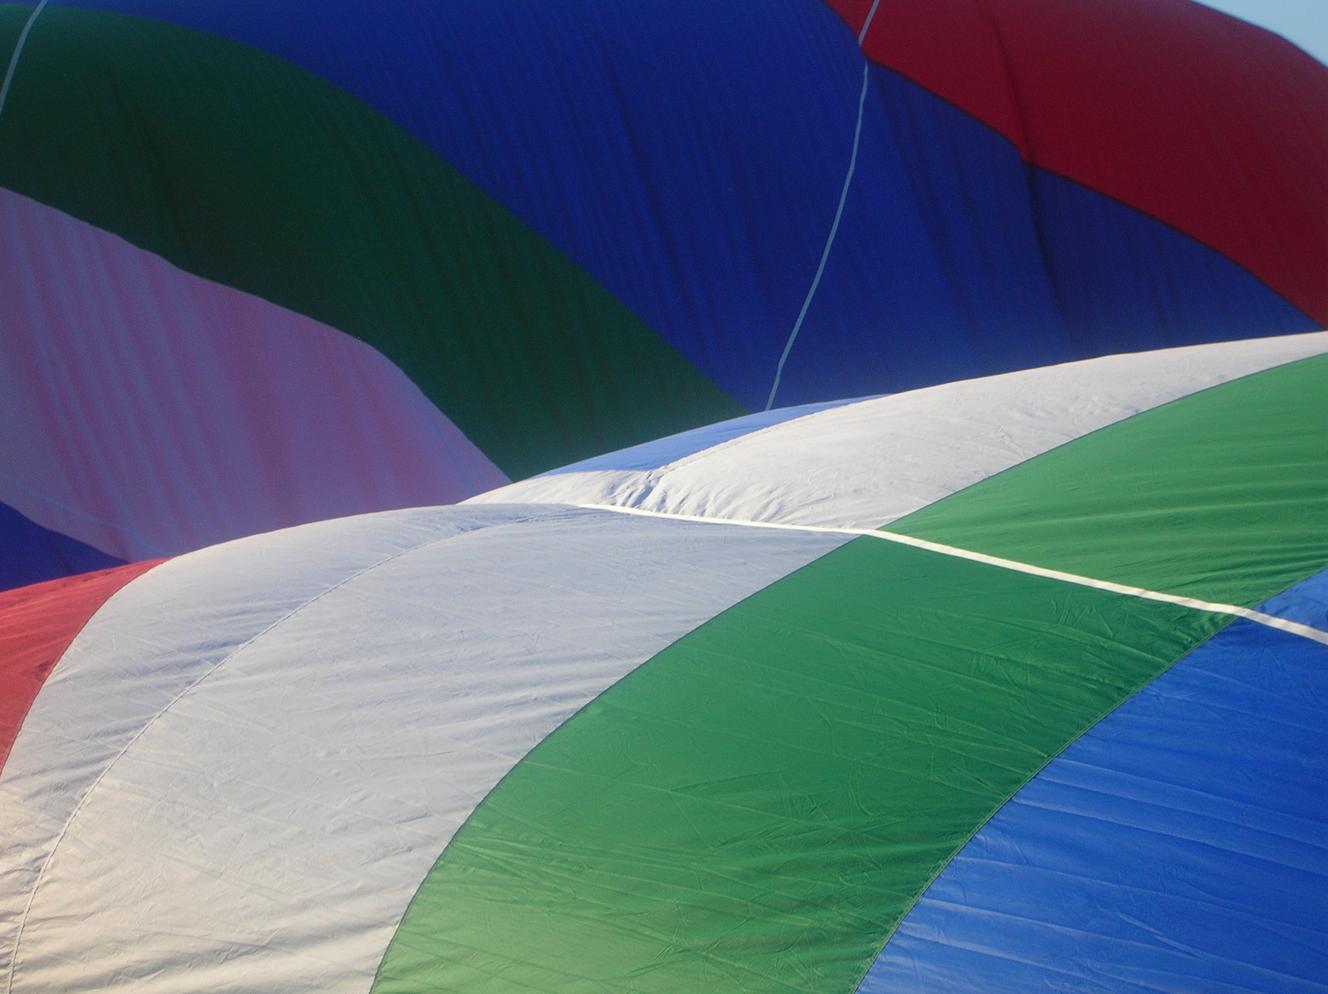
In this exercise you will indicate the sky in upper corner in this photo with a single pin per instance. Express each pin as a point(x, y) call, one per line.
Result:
point(1304, 22)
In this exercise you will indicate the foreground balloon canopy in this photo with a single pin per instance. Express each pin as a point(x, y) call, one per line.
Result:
point(666, 723)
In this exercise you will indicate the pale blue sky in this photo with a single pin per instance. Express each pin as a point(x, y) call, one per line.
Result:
point(1303, 21)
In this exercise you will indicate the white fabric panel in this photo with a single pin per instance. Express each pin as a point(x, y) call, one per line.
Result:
point(869, 463)
point(152, 641)
point(276, 817)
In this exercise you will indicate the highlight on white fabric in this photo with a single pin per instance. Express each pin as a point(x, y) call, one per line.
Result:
point(866, 464)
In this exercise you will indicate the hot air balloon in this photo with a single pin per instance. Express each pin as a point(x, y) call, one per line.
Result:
point(266, 264)
point(1007, 684)
point(581, 497)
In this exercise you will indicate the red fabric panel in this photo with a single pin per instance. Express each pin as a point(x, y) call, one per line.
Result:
point(1205, 122)
point(852, 11)
point(37, 623)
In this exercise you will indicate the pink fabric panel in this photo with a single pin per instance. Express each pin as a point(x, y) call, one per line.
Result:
point(146, 411)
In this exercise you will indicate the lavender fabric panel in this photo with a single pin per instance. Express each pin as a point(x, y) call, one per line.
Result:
point(148, 411)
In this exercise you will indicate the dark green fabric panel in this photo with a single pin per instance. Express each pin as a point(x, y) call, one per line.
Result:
point(1222, 495)
point(12, 16)
point(239, 167)
point(756, 807)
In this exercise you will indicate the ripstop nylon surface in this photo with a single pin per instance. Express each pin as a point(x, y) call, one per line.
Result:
point(37, 623)
point(782, 740)
point(162, 412)
point(573, 226)
point(870, 462)
point(730, 742)
point(239, 167)
point(1219, 495)
point(1156, 79)
point(758, 805)
point(35, 553)
point(689, 156)
point(310, 714)
point(1178, 845)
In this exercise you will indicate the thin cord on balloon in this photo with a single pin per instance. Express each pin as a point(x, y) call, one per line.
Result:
point(830, 240)
point(839, 213)
point(18, 50)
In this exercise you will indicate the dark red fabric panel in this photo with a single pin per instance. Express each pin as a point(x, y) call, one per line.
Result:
point(37, 623)
point(1210, 124)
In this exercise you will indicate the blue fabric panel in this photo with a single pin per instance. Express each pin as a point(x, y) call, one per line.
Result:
point(1127, 282)
point(936, 273)
point(690, 156)
point(957, 259)
point(1181, 845)
point(662, 451)
point(30, 553)
point(1305, 602)
point(687, 154)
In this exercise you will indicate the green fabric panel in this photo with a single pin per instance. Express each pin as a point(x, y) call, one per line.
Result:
point(1222, 495)
point(12, 17)
point(241, 168)
point(756, 807)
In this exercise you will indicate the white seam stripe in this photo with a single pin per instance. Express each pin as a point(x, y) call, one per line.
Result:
point(1271, 621)
point(829, 241)
point(18, 50)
